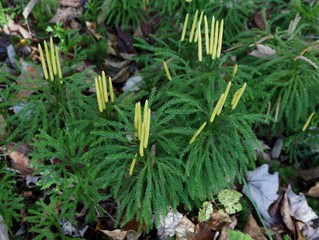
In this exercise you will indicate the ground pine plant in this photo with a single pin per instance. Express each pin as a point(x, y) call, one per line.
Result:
point(189, 139)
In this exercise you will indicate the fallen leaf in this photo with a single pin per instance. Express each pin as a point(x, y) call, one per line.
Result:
point(92, 28)
point(18, 28)
point(133, 83)
point(20, 162)
point(185, 229)
point(285, 213)
point(262, 51)
point(299, 208)
point(168, 225)
point(27, 10)
point(4, 235)
point(259, 20)
point(309, 174)
point(65, 14)
point(71, 3)
point(276, 150)
point(252, 229)
point(313, 191)
point(205, 211)
point(224, 233)
point(116, 234)
point(263, 190)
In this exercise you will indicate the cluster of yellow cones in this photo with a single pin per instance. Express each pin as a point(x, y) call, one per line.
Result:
point(213, 39)
point(220, 104)
point(142, 129)
point(102, 92)
point(51, 62)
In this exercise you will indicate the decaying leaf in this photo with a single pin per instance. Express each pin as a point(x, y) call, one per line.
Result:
point(169, 224)
point(314, 191)
point(4, 235)
point(299, 208)
point(20, 161)
point(185, 229)
point(285, 213)
point(309, 174)
point(252, 229)
point(116, 234)
point(205, 211)
point(263, 51)
point(230, 199)
point(263, 188)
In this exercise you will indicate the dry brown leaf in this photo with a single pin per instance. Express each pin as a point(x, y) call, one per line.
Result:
point(285, 213)
point(71, 3)
point(252, 229)
point(263, 51)
point(185, 229)
point(116, 234)
point(314, 191)
point(27, 10)
point(63, 15)
point(20, 162)
point(309, 174)
point(122, 75)
point(225, 229)
point(92, 29)
point(18, 28)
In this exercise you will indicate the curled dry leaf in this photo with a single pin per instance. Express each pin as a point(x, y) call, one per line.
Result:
point(263, 51)
point(299, 208)
point(285, 213)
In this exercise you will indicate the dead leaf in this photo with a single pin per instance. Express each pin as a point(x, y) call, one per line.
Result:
point(225, 229)
point(116, 234)
point(263, 51)
point(313, 191)
point(17, 28)
point(4, 235)
point(185, 230)
point(259, 21)
point(285, 213)
point(252, 229)
point(299, 208)
point(27, 10)
point(20, 161)
point(119, 234)
point(71, 3)
point(276, 150)
point(92, 28)
point(169, 224)
point(63, 15)
point(263, 188)
point(309, 174)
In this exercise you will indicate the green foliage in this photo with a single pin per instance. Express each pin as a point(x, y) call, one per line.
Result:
point(46, 218)
point(236, 235)
point(69, 42)
point(69, 168)
point(123, 13)
point(205, 211)
point(44, 104)
point(230, 200)
point(10, 203)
